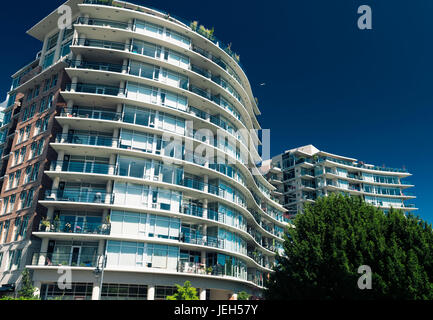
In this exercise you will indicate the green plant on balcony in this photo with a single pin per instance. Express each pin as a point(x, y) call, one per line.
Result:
point(194, 26)
point(209, 270)
point(56, 224)
point(207, 33)
point(45, 225)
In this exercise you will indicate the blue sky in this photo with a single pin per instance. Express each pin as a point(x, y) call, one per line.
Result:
point(363, 94)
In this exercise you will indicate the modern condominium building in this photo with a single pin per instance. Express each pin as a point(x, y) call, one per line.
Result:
point(99, 174)
point(303, 174)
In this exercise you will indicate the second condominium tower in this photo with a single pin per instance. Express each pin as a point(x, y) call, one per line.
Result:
point(100, 177)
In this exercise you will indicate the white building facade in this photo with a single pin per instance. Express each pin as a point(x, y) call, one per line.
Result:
point(129, 205)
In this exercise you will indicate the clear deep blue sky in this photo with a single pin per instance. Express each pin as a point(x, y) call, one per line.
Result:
point(363, 94)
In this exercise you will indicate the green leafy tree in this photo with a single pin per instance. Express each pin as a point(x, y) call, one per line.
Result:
point(185, 292)
point(243, 296)
point(336, 235)
point(27, 289)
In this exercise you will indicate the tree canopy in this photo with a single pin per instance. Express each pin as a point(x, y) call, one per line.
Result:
point(336, 235)
point(185, 292)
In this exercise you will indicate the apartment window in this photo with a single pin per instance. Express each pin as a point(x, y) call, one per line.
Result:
point(124, 292)
point(5, 205)
point(52, 41)
point(17, 262)
point(10, 181)
point(37, 127)
point(54, 80)
point(16, 157)
point(28, 175)
point(20, 135)
point(45, 123)
point(1, 258)
point(16, 228)
point(37, 89)
point(23, 154)
point(68, 32)
point(30, 95)
point(50, 101)
point(17, 179)
point(40, 147)
point(48, 61)
point(11, 259)
point(162, 292)
point(35, 172)
point(29, 198)
point(22, 200)
point(32, 110)
point(21, 228)
point(47, 85)
point(43, 104)
point(27, 135)
point(25, 114)
point(66, 48)
point(5, 232)
point(33, 149)
point(11, 203)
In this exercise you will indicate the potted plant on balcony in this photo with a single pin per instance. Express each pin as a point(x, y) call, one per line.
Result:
point(45, 225)
point(68, 227)
point(105, 227)
point(209, 270)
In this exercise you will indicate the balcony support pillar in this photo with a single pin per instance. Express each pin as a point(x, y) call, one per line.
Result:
point(115, 143)
point(127, 44)
point(65, 131)
point(60, 158)
point(151, 292)
point(74, 82)
point(55, 186)
point(125, 66)
point(109, 190)
point(202, 294)
point(43, 252)
point(121, 88)
point(96, 290)
point(112, 164)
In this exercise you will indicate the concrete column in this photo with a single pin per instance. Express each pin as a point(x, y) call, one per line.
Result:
point(112, 163)
point(206, 181)
point(50, 213)
point(59, 45)
point(127, 44)
point(202, 294)
point(54, 187)
point(109, 190)
point(69, 106)
point(125, 66)
point(60, 158)
point(151, 292)
point(44, 50)
point(74, 82)
point(205, 209)
point(65, 131)
point(79, 58)
point(43, 252)
point(115, 142)
point(121, 88)
point(95, 291)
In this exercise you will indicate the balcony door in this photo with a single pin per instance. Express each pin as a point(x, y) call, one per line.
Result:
point(75, 256)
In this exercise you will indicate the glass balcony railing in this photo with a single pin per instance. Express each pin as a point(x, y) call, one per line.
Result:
point(105, 23)
point(94, 88)
point(62, 226)
point(96, 66)
point(86, 139)
point(60, 259)
point(85, 113)
point(100, 44)
point(77, 195)
point(83, 167)
point(360, 165)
